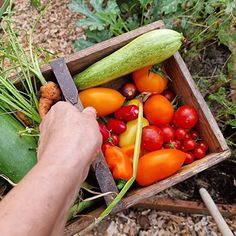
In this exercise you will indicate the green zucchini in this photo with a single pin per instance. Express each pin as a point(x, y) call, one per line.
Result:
point(148, 49)
point(17, 154)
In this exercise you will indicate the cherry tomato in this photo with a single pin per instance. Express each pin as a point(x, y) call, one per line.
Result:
point(189, 144)
point(104, 131)
point(158, 110)
point(203, 144)
point(199, 152)
point(105, 146)
point(180, 133)
point(188, 135)
point(127, 113)
point(173, 144)
point(189, 158)
point(146, 80)
point(152, 138)
point(114, 139)
point(168, 94)
point(116, 126)
point(168, 132)
point(185, 117)
point(129, 91)
point(195, 134)
point(104, 100)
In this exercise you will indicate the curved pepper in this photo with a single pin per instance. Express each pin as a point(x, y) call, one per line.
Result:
point(118, 163)
point(128, 137)
point(129, 151)
point(157, 165)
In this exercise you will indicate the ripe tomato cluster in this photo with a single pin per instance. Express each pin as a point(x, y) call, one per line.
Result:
point(164, 126)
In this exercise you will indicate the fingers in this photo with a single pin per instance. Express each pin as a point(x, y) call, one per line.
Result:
point(91, 111)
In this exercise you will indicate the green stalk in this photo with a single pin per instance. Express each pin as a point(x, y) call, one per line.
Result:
point(130, 181)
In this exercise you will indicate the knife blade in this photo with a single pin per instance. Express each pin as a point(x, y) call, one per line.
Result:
point(70, 93)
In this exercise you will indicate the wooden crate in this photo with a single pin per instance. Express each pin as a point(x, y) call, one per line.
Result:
point(188, 93)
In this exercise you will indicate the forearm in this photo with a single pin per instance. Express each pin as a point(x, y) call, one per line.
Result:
point(35, 212)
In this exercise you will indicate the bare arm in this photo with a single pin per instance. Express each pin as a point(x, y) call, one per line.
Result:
point(39, 204)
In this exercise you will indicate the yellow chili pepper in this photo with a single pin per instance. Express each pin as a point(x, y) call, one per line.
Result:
point(128, 137)
point(134, 101)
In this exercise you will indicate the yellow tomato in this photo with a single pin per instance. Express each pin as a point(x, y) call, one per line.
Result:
point(104, 100)
point(133, 102)
point(128, 137)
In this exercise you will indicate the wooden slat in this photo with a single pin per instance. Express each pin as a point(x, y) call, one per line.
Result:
point(82, 222)
point(189, 94)
point(176, 205)
point(186, 172)
point(82, 59)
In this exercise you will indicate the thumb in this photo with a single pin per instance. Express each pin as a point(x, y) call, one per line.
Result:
point(91, 111)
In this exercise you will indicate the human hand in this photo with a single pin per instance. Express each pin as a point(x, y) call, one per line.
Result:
point(68, 135)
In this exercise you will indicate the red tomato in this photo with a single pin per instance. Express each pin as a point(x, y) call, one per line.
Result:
point(189, 158)
point(158, 110)
point(152, 138)
point(168, 132)
point(185, 117)
point(114, 139)
point(129, 91)
point(168, 94)
point(195, 134)
point(199, 153)
point(104, 131)
point(188, 135)
point(174, 144)
point(189, 144)
point(146, 80)
point(116, 126)
point(203, 144)
point(127, 113)
point(180, 134)
point(105, 146)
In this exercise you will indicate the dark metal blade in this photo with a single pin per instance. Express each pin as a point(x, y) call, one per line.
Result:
point(70, 92)
point(66, 82)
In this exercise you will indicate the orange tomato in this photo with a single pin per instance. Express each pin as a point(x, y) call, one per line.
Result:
point(157, 165)
point(104, 100)
point(149, 81)
point(158, 110)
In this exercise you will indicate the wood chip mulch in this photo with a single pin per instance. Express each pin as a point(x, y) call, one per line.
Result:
point(56, 31)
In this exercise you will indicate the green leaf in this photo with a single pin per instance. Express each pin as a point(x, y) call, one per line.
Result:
point(80, 44)
point(35, 3)
point(231, 122)
point(133, 22)
point(98, 36)
point(91, 21)
point(169, 6)
point(230, 7)
point(144, 3)
point(209, 9)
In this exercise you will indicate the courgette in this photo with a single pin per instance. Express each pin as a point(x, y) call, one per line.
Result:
point(148, 49)
point(17, 153)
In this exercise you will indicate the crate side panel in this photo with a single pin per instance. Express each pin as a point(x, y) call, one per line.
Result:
point(189, 94)
point(186, 172)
